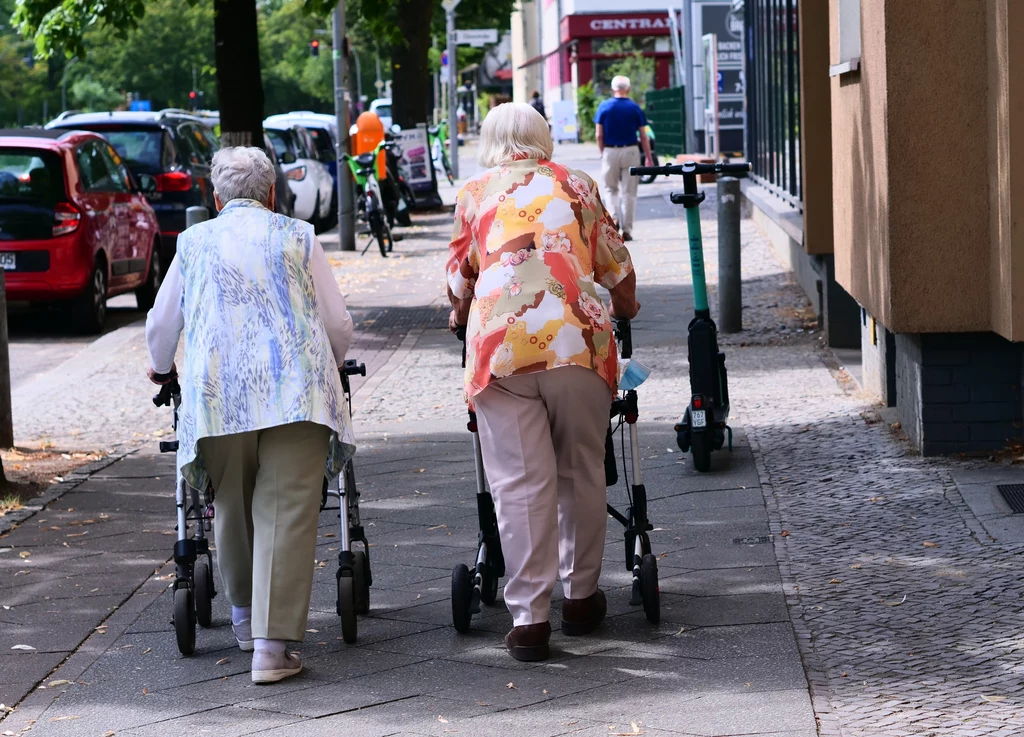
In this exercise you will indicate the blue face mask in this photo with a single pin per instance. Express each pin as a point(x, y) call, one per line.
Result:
point(634, 374)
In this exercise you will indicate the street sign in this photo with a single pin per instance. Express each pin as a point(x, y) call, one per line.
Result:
point(450, 5)
point(476, 36)
point(444, 58)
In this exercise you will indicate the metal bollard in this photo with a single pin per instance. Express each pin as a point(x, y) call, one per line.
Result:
point(730, 280)
point(196, 214)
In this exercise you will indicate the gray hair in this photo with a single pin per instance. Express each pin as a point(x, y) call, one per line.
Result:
point(620, 83)
point(514, 130)
point(242, 173)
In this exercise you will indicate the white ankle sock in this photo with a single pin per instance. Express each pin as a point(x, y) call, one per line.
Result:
point(275, 647)
point(240, 613)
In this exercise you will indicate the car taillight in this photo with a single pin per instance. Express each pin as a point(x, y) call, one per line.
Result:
point(297, 174)
point(66, 218)
point(174, 181)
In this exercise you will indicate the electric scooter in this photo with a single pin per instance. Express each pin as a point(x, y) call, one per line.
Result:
point(704, 425)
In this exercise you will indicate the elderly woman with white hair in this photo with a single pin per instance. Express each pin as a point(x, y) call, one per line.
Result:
point(532, 242)
point(262, 416)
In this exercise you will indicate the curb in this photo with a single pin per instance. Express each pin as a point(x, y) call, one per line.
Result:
point(76, 478)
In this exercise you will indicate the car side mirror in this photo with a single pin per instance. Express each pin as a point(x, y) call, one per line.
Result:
point(288, 158)
point(146, 184)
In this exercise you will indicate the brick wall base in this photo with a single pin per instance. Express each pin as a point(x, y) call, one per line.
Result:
point(958, 392)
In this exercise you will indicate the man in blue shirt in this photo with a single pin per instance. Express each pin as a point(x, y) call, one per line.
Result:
point(620, 122)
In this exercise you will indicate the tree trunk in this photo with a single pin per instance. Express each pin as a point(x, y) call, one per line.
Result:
point(239, 83)
point(410, 71)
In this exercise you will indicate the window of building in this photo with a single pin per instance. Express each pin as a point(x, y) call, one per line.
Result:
point(849, 38)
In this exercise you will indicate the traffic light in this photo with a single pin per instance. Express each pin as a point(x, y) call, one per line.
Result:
point(314, 47)
point(192, 95)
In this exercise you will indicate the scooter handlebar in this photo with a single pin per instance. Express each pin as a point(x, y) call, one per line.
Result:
point(690, 167)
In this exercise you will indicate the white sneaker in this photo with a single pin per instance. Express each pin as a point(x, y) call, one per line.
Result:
point(243, 633)
point(273, 667)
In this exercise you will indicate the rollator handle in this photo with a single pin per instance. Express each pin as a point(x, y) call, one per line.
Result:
point(167, 392)
point(352, 367)
point(691, 168)
point(460, 333)
point(624, 334)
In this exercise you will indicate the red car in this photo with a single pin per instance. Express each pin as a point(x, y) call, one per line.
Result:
point(74, 227)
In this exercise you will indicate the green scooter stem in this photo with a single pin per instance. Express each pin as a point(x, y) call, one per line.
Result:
point(700, 286)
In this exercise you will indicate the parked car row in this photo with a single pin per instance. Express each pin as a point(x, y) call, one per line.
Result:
point(91, 206)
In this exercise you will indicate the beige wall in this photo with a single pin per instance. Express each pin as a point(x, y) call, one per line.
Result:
point(815, 127)
point(910, 165)
point(1006, 165)
point(525, 46)
point(860, 165)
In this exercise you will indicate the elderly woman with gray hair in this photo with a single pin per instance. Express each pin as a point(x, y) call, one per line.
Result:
point(262, 415)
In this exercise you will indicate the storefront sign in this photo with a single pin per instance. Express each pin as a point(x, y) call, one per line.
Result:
point(614, 24)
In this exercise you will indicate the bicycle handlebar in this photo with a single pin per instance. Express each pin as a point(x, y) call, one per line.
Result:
point(691, 168)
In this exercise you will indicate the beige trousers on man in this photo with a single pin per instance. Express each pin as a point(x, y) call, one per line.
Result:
point(268, 486)
point(542, 437)
point(619, 185)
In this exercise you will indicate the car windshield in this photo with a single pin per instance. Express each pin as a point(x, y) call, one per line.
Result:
point(31, 184)
point(141, 148)
point(383, 111)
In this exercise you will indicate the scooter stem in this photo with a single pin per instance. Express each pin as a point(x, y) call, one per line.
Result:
point(700, 286)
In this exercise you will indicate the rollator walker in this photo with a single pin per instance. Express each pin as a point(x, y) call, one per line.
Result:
point(479, 584)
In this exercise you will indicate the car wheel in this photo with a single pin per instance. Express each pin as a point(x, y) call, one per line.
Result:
point(145, 295)
point(89, 311)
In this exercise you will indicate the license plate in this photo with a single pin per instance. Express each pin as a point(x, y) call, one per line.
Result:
point(7, 261)
point(698, 418)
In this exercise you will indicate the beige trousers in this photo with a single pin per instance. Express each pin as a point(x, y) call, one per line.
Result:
point(542, 437)
point(619, 185)
point(268, 486)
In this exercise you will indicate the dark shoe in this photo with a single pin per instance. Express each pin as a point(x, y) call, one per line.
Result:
point(581, 616)
point(529, 642)
point(627, 236)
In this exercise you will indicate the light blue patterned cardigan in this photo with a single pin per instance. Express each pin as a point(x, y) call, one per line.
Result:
point(257, 354)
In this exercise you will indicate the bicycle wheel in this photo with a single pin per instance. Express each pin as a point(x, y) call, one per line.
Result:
point(377, 227)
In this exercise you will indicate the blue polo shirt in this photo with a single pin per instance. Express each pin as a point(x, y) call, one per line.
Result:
point(622, 120)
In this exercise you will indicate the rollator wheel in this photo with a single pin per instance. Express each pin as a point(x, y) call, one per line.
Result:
point(362, 589)
point(203, 578)
point(649, 588)
point(347, 608)
point(185, 620)
point(462, 597)
point(489, 589)
point(700, 449)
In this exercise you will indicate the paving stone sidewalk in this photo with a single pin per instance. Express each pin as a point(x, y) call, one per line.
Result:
point(788, 562)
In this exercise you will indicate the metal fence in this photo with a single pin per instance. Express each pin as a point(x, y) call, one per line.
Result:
point(667, 115)
point(773, 96)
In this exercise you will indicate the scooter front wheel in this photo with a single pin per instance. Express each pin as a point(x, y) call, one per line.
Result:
point(700, 450)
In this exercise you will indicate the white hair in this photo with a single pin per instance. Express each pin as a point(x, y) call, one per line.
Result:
point(620, 83)
point(242, 173)
point(514, 130)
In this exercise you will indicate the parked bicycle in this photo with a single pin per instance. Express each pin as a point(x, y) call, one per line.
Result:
point(369, 199)
point(437, 136)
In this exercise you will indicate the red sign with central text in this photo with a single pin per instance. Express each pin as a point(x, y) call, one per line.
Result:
point(614, 24)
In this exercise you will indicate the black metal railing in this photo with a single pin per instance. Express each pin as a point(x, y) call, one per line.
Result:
point(773, 96)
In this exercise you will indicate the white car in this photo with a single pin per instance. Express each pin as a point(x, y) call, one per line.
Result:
point(308, 176)
point(382, 107)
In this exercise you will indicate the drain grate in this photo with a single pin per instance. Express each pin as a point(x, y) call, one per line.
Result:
point(1013, 494)
point(758, 540)
point(403, 319)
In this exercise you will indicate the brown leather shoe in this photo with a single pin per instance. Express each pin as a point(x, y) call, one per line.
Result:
point(627, 236)
point(529, 642)
point(581, 616)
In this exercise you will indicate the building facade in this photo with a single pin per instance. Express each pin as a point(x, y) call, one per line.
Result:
point(559, 45)
point(885, 177)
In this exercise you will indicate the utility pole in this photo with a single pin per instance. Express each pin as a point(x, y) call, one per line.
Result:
point(346, 221)
point(453, 85)
point(686, 31)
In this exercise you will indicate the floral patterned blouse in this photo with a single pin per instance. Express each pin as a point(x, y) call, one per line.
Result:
point(531, 242)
